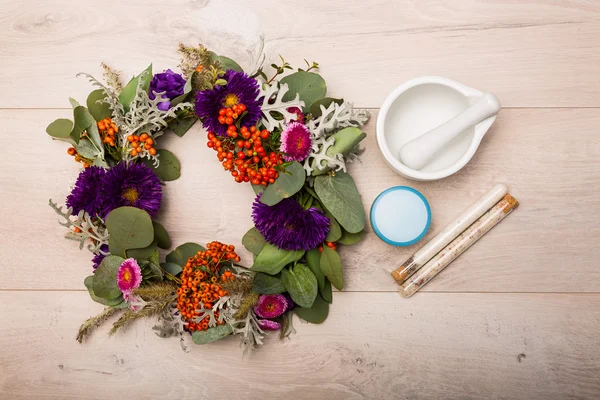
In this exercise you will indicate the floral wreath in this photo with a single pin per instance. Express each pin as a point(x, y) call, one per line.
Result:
point(281, 134)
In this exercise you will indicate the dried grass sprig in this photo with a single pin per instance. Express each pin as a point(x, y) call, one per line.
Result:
point(94, 322)
point(152, 308)
point(239, 285)
point(246, 305)
point(192, 57)
point(157, 291)
point(112, 78)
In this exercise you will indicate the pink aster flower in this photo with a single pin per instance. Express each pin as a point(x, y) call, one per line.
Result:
point(269, 325)
point(298, 112)
point(129, 275)
point(295, 142)
point(270, 305)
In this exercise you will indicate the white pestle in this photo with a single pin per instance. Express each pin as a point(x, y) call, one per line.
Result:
point(419, 151)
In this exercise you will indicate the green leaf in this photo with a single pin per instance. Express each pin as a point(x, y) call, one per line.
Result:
point(224, 62)
point(288, 184)
point(310, 86)
point(346, 140)
point(301, 284)
point(267, 284)
point(351, 238)
point(326, 292)
point(335, 231)
point(331, 265)
point(187, 88)
point(181, 126)
point(271, 260)
point(313, 259)
point(315, 108)
point(253, 241)
point(61, 129)
point(105, 279)
point(129, 228)
point(340, 197)
point(128, 93)
point(212, 334)
point(315, 314)
point(181, 254)
point(163, 240)
point(97, 107)
point(168, 169)
point(258, 189)
point(89, 282)
point(84, 121)
point(87, 149)
point(172, 268)
point(74, 103)
point(143, 253)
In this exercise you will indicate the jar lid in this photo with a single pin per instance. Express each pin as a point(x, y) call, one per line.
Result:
point(400, 216)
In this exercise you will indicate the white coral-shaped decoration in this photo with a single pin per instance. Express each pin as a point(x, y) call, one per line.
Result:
point(337, 116)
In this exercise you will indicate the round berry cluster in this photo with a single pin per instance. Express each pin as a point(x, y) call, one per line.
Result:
point(140, 144)
point(200, 280)
point(248, 153)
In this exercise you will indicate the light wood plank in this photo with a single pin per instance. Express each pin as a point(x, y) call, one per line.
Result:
point(547, 245)
point(374, 345)
point(531, 54)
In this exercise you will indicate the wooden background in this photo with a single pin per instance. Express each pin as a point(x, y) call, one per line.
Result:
point(516, 317)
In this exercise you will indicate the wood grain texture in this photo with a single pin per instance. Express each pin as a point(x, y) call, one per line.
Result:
point(547, 245)
point(451, 346)
point(531, 54)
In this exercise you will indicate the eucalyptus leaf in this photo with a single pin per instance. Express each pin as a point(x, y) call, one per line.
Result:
point(335, 231)
point(258, 189)
point(351, 238)
point(315, 314)
point(104, 283)
point(315, 108)
point(96, 106)
point(267, 284)
point(310, 86)
point(331, 265)
point(181, 254)
point(84, 121)
point(129, 228)
point(128, 93)
point(338, 193)
point(253, 241)
point(161, 236)
point(212, 334)
point(74, 103)
point(86, 149)
point(143, 253)
point(326, 292)
point(286, 185)
point(172, 268)
point(301, 284)
point(271, 260)
point(61, 129)
point(89, 282)
point(181, 126)
point(313, 259)
point(169, 167)
point(225, 63)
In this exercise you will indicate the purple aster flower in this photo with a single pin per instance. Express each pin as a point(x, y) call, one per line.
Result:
point(269, 325)
point(295, 142)
point(130, 184)
point(99, 256)
point(288, 226)
point(129, 276)
point(169, 82)
point(85, 193)
point(240, 89)
point(270, 305)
